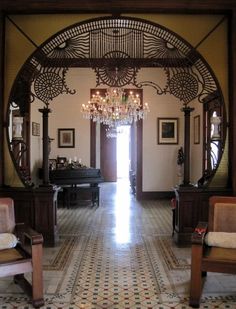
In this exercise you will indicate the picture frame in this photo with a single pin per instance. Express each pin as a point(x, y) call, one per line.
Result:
point(196, 129)
point(167, 131)
point(52, 164)
point(61, 162)
point(35, 129)
point(66, 138)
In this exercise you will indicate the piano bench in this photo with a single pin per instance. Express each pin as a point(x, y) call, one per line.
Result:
point(71, 193)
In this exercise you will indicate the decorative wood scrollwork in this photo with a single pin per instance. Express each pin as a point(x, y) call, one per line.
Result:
point(116, 48)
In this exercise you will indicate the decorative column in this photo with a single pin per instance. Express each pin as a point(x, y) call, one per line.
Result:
point(45, 111)
point(187, 110)
point(46, 194)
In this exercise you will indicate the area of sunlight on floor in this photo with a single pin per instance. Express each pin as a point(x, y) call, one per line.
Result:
point(122, 206)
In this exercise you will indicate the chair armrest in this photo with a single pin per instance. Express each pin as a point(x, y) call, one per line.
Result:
point(34, 237)
point(27, 234)
point(199, 233)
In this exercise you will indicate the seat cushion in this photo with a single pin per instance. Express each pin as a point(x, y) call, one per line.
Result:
point(221, 239)
point(7, 240)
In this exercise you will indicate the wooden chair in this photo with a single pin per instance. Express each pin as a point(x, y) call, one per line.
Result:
point(222, 218)
point(25, 257)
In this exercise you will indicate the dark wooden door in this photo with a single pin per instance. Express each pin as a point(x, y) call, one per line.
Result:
point(108, 157)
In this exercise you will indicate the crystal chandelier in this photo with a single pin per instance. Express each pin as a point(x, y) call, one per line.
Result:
point(116, 108)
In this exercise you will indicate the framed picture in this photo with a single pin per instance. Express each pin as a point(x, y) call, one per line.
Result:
point(66, 138)
point(61, 162)
point(35, 129)
point(196, 129)
point(52, 164)
point(167, 131)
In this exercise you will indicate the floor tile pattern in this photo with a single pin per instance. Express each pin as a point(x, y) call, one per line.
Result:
point(119, 256)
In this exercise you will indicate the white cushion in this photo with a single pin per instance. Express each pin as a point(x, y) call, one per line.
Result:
point(7, 240)
point(221, 239)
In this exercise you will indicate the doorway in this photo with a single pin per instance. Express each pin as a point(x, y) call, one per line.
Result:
point(104, 150)
point(123, 152)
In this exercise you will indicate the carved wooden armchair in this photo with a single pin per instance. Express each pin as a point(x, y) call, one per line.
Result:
point(22, 255)
point(213, 252)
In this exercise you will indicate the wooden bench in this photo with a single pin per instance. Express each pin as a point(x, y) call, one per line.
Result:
point(72, 193)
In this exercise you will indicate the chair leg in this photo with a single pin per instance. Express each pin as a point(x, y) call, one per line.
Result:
point(37, 276)
point(37, 300)
point(196, 277)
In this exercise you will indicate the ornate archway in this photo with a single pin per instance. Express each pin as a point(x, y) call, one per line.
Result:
point(116, 48)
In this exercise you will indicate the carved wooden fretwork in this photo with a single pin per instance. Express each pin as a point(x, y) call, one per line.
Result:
point(116, 49)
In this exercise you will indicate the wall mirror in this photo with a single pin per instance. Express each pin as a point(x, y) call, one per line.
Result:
point(126, 46)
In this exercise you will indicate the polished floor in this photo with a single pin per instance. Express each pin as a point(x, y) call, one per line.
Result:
point(119, 255)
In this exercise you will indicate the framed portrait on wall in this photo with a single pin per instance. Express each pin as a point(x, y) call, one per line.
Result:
point(35, 129)
point(167, 131)
point(66, 138)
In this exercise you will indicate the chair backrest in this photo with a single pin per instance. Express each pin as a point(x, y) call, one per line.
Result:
point(222, 214)
point(7, 216)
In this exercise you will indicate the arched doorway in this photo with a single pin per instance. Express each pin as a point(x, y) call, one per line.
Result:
point(116, 48)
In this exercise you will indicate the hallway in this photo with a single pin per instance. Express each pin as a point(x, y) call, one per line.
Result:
point(119, 256)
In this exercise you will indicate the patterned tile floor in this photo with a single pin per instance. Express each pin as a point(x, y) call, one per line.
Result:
point(119, 256)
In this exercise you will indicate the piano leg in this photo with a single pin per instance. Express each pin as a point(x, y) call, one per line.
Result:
point(95, 193)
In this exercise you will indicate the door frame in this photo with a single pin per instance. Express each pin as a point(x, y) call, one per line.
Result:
point(139, 148)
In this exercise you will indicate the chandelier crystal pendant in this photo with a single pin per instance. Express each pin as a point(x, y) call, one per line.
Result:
point(116, 108)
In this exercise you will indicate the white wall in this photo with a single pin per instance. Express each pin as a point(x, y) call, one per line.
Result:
point(159, 160)
point(66, 113)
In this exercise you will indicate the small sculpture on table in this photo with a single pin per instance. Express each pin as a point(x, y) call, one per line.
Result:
point(204, 179)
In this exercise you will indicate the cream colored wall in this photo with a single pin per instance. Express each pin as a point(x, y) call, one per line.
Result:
point(66, 113)
point(159, 161)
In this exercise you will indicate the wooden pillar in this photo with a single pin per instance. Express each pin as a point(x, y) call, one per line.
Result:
point(232, 101)
point(2, 109)
point(187, 110)
point(45, 111)
point(46, 194)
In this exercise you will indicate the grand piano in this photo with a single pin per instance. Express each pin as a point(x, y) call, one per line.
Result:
point(76, 181)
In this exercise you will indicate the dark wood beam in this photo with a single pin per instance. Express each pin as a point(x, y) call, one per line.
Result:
point(2, 118)
point(124, 62)
point(232, 102)
point(113, 6)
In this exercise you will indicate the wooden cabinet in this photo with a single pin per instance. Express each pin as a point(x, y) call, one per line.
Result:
point(37, 208)
point(191, 207)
